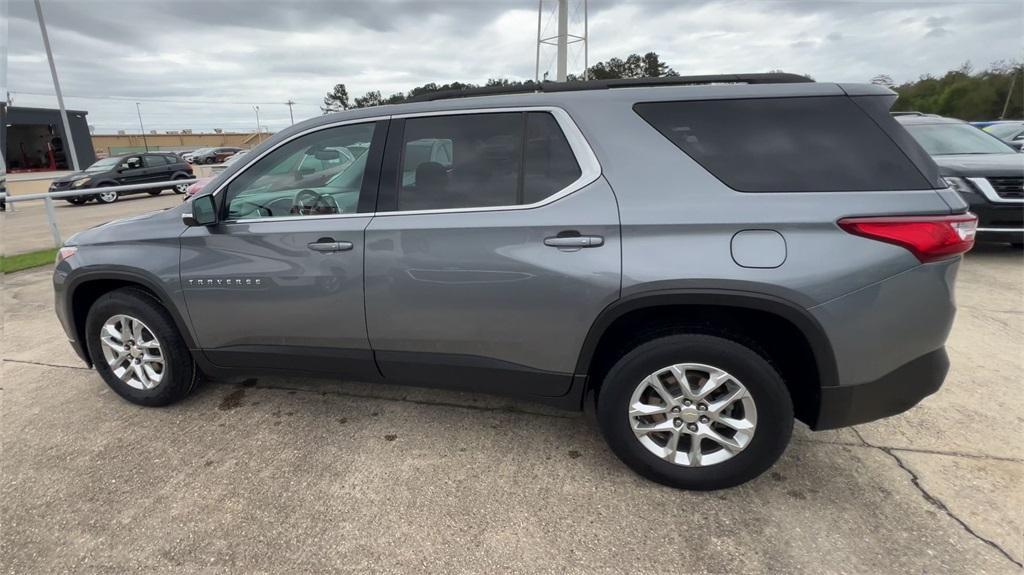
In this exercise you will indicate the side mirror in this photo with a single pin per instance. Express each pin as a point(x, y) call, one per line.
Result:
point(204, 212)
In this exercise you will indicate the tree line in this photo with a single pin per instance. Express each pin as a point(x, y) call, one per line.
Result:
point(964, 93)
point(634, 66)
point(961, 93)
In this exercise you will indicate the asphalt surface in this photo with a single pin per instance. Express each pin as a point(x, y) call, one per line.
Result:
point(289, 475)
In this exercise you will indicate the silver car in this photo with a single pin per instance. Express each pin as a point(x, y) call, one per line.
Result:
point(699, 260)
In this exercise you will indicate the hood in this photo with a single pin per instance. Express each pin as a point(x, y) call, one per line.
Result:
point(73, 176)
point(162, 224)
point(981, 165)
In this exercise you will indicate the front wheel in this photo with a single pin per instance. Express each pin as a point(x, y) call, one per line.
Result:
point(107, 197)
point(695, 411)
point(180, 188)
point(137, 349)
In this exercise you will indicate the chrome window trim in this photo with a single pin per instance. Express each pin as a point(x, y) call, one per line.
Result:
point(590, 168)
point(986, 189)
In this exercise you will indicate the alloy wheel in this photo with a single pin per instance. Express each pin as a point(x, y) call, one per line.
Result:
point(692, 415)
point(133, 352)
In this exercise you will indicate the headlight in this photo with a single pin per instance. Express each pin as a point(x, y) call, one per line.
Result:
point(959, 184)
point(65, 252)
point(80, 182)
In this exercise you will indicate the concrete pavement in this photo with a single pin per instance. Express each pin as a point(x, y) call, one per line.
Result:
point(24, 229)
point(291, 475)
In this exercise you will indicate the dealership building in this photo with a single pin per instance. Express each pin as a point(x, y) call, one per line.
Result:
point(33, 139)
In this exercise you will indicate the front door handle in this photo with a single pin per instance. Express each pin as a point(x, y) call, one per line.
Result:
point(574, 242)
point(326, 246)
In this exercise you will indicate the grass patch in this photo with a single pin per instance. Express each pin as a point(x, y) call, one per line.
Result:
point(20, 262)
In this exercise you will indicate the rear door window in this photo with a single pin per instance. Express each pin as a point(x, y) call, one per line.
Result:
point(483, 160)
point(806, 144)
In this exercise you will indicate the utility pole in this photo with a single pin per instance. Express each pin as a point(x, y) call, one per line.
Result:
point(536, 66)
point(563, 39)
point(1009, 94)
point(69, 141)
point(291, 103)
point(257, 108)
point(142, 128)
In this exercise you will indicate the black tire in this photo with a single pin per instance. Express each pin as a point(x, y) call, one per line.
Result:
point(770, 395)
point(154, 192)
point(1017, 246)
point(183, 187)
point(211, 160)
point(180, 376)
point(99, 196)
point(77, 200)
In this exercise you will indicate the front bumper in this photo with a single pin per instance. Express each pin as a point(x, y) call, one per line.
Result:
point(997, 222)
point(891, 394)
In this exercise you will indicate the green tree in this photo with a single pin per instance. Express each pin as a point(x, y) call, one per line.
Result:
point(336, 100)
point(966, 94)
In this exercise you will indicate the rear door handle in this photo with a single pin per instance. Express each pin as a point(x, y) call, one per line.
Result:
point(574, 242)
point(330, 246)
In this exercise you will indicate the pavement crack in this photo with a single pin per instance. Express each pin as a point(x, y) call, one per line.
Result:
point(935, 501)
point(25, 362)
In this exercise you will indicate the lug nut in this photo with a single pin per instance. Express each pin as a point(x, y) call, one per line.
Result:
point(692, 427)
point(675, 409)
point(704, 419)
point(677, 422)
point(687, 402)
point(702, 407)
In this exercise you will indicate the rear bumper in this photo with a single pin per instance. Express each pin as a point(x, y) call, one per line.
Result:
point(891, 394)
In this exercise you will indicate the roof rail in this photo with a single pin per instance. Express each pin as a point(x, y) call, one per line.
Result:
point(766, 78)
point(909, 113)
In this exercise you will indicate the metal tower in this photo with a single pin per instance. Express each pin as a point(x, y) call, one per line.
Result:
point(562, 38)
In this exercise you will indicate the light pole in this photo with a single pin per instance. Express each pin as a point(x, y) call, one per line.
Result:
point(291, 103)
point(56, 88)
point(142, 128)
point(257, 109)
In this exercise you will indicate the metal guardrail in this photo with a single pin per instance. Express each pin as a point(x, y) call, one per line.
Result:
point(48, 197)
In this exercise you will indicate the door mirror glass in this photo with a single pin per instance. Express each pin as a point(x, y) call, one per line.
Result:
point(204, 212)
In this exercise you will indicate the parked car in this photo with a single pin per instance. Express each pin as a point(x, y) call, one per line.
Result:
point(196, 187)
point(700, 264)
point(190, 156)
point(213, 155)
point(122, 171)
point(987, 173)
point(1011, 132)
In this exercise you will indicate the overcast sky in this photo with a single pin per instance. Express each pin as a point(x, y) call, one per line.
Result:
point(203, 65)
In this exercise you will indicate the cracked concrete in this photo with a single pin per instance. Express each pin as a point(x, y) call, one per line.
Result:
point(288, 475)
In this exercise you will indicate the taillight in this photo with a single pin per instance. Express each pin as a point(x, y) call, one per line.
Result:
point(930, 238)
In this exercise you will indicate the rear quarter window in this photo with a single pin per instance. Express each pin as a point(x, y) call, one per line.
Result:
point(806, 144)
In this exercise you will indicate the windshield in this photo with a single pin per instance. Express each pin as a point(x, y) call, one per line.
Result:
point(949, 139)
point(103, 165)
point(1004, 130)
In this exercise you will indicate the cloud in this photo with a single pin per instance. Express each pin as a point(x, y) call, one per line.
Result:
point(222, 58)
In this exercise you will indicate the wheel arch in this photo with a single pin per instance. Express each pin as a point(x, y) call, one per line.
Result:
point(85, 288)
point(745, 316)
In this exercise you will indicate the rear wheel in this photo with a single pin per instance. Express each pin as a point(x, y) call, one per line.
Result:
point(137, 349)
point(695, 411)
point(76, 200)
point(154, 192)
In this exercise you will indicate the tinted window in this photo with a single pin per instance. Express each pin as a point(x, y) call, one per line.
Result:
point(786, 144)
point(154, 161)
point(318, 174)
point(550, 163)
point(483, 160)
point(461, 161)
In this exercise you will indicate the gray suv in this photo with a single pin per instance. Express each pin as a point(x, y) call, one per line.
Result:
point(698, 260)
